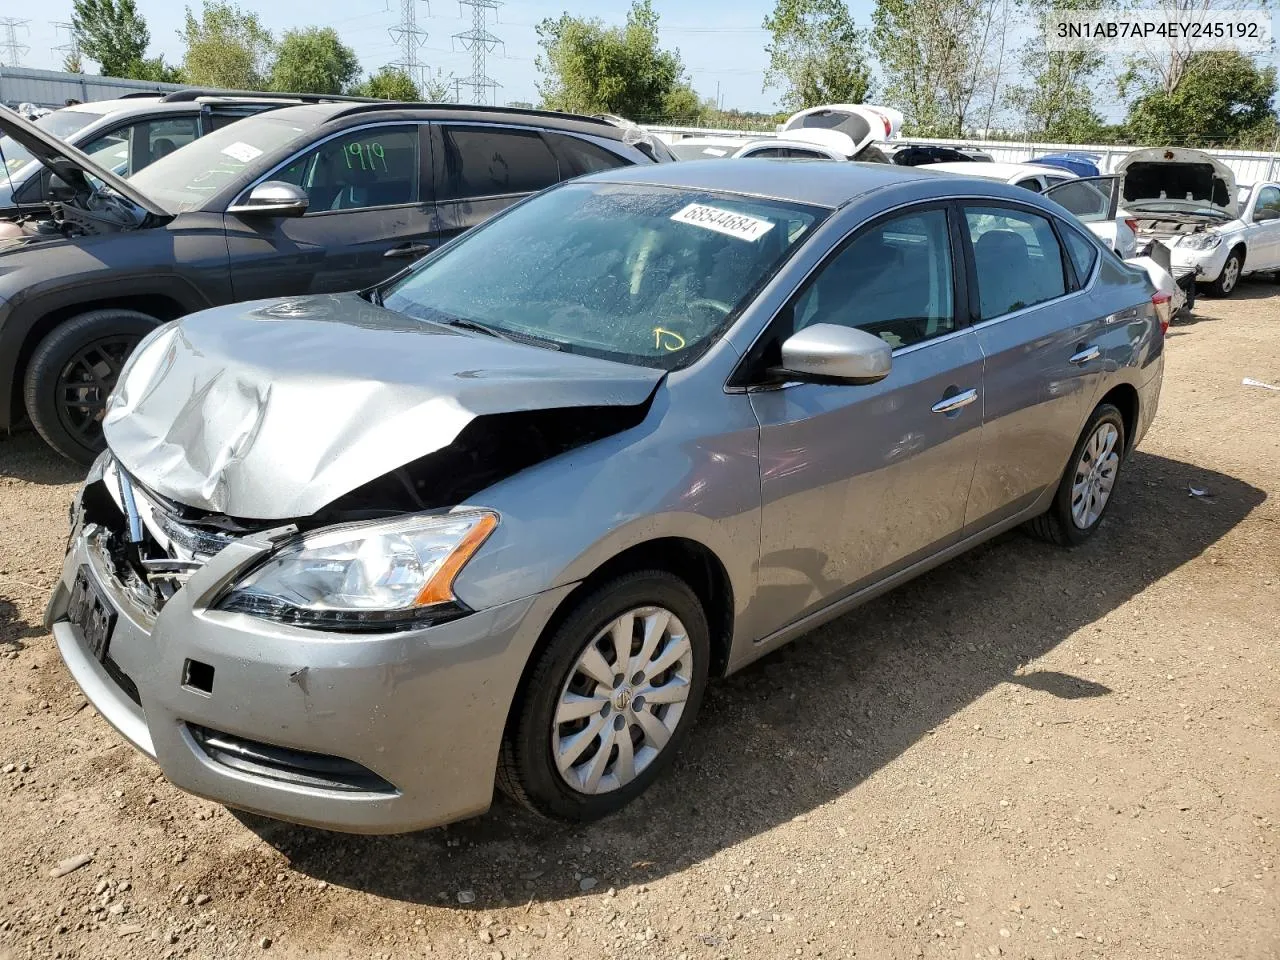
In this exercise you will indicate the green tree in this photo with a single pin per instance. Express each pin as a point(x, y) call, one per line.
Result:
point(1057, 100)
point(111, 32)
point(588, 67)
point(72, 63)
point(1221, 98)
point(313, 60)
point(817, 54)
point(389, 83)
point(939, 60)
point(226, 47)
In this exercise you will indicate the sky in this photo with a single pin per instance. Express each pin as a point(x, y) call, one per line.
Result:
point(721, 41)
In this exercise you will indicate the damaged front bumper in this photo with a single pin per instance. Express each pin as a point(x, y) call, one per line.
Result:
point(369, 733)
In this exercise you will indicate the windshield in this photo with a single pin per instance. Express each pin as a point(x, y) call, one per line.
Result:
point(187, 178)
point(639, 274)
point(16, 158)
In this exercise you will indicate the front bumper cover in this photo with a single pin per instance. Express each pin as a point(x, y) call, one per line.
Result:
point(421, 711)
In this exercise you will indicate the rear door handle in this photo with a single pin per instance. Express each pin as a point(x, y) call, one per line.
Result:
point(956, 402)
point(1084, 355)
point(408, 250)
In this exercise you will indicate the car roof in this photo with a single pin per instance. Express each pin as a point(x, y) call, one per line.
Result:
point(347, 113)
point(814, 182)
point(997, 170)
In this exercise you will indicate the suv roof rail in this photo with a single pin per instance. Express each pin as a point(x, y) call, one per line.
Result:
point(140, 93)
point(371, 105)
point(197, 93)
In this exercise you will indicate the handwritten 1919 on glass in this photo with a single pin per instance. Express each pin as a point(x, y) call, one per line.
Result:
point(1140, 31)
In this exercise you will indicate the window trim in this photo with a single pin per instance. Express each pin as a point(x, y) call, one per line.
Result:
point(424, 168)
point(439, 168)
point(746, 373)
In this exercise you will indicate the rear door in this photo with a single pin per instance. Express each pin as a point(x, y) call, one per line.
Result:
point(371, 213)
point(1044, 358)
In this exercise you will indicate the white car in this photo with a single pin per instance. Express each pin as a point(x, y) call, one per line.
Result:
point(1189, 201)
point(1037, 177)
point(838, 131)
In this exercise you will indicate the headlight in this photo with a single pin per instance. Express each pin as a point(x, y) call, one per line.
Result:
point(369, 576)
point(1200, 241)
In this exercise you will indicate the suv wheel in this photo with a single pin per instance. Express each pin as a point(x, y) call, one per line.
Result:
point(1085, 491)
point(71, 373)
point(609, 700)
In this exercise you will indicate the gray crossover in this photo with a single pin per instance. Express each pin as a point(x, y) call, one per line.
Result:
point(349, 559)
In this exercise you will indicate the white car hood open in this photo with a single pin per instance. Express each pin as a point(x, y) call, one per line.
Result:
point(1177, 177)
point(273, 410)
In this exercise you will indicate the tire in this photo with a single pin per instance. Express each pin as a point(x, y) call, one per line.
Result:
point(1229, 278)
point(1060, 524)
point(527, 769)
point(89, 349)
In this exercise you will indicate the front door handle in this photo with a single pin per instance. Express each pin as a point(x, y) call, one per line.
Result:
point(1084, 355)
point(408, 251)
point(956, 401)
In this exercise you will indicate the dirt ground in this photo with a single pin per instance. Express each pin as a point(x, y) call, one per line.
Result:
point(1030, 752)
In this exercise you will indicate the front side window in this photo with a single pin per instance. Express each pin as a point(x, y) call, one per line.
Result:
point(893, 279)
point(1268, 199)
point(1016, 257)
point(369, 167)
point(159, 138)
point(495, 162)
point(640, 274)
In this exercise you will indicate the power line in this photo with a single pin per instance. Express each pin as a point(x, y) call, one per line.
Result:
point(11, 51)
point(409, 37)
point(481, 43)
point(72, 47)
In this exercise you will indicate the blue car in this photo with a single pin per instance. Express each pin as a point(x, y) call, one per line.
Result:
point(1081, 164)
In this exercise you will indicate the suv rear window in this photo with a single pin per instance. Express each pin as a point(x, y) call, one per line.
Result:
point(495, 162)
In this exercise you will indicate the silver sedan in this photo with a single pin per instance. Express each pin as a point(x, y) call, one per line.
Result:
point(351, 559)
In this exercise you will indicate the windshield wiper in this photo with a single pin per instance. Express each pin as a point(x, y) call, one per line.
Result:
point(476, 326)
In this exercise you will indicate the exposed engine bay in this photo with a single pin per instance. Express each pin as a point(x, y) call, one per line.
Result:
point(1171, 226)
point(85, 212)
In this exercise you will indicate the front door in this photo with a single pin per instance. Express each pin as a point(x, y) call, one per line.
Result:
point(860, 481)
point(1043, 357)
point(1264, 248)
point(371, 213)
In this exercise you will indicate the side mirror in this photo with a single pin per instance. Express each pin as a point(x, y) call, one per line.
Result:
point(827, 351)
point(1265, 213)
point(274, 198)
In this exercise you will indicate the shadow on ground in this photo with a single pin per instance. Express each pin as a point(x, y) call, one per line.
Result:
point(25, 456)
point(13, 629)
point(812, 721)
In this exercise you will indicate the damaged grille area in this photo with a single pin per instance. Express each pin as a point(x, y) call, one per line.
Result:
point(287, 765)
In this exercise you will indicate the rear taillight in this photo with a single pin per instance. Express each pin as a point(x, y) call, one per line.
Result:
point(1164, 310)
point(1132, 224)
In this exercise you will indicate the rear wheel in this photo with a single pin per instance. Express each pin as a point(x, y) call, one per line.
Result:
point(1230, 275)
point(1084, 493)
point(71, 373)
point(609, 700)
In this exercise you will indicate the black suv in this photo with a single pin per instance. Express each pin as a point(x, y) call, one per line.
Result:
point(319, 198)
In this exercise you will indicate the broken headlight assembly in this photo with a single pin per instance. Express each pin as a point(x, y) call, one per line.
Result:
point(367, 576)
point(1200, 241)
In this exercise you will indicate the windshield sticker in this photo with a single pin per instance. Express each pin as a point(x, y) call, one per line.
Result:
point(714, 152)
point(731, 224)
point(244, 152)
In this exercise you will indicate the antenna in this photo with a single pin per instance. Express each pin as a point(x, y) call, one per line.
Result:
point(481, 43)
point(72, 47)
point(410, 37)
point(11, 51)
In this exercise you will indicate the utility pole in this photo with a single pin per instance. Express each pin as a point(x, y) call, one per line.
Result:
point(71, 48)
point(11, 51)
point(409, 36)
point(481, 43)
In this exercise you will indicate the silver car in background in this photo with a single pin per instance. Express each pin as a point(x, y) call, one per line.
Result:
point(351, 559)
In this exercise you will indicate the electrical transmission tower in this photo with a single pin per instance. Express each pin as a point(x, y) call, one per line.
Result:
point(11, 51)
point(71, 49)
point(409, 36)
point(481, 43)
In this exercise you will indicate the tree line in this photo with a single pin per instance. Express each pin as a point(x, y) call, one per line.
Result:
point(228, 47)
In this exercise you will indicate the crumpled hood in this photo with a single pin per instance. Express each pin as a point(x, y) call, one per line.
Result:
point(272, 410)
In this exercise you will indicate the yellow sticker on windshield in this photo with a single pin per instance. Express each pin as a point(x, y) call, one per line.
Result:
point(667, 340)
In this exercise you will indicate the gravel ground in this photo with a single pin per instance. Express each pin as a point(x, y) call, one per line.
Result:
point(1029, 752)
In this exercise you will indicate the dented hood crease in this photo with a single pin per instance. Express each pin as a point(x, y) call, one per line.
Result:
point(273, 410)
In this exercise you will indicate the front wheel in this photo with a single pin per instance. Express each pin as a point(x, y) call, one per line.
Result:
point(1084, 493)
point(1229, 277)
point(609, 699)
point(71, 373)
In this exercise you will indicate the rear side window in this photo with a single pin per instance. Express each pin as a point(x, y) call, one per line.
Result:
point(893, 280)
point(1017, 259)
point(578, 157)
point(493, 162)
point(1083, 253)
